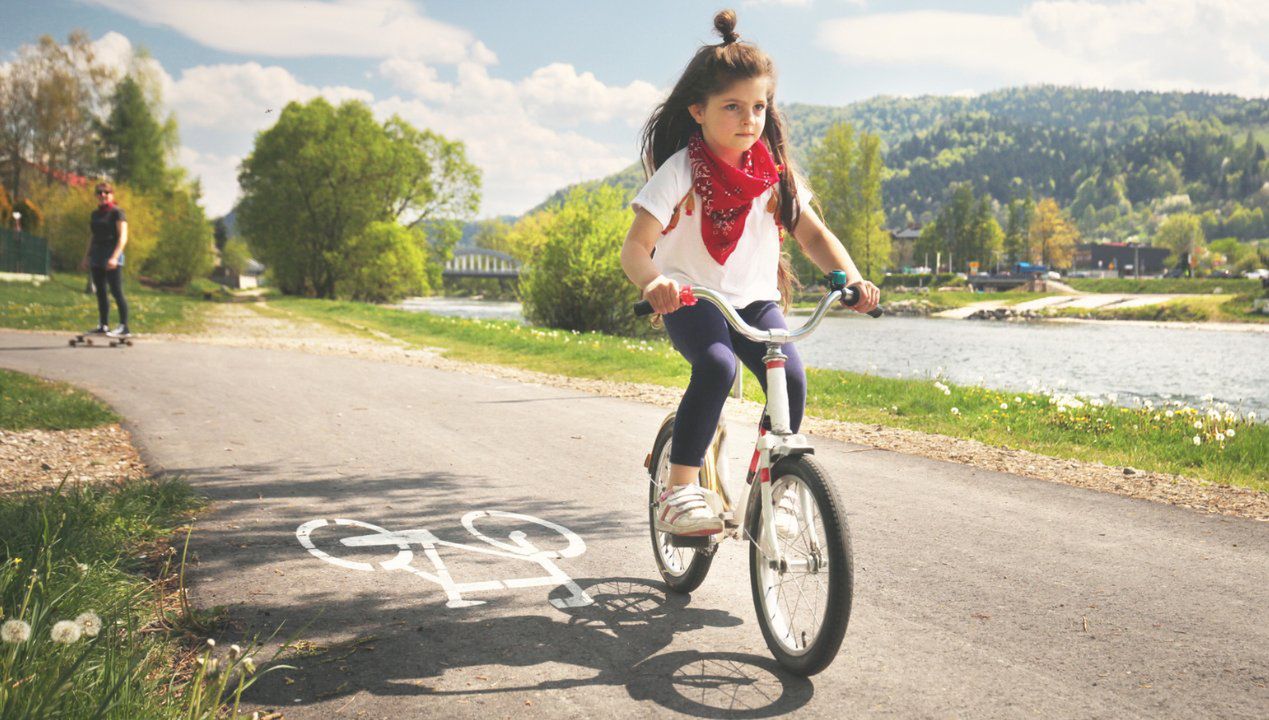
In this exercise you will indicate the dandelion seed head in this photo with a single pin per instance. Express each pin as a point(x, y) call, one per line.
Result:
point(1198, 424)
point(234, 652)
point(65, 632)
point(1169, 413)
point(211, 643)
point(89, 622)
point(1229, 432)
point(15, 631)
point(1198, 440)
point(956, 411)
point(1004, 406)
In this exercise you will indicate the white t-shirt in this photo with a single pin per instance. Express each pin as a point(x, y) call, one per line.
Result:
point(751, 270)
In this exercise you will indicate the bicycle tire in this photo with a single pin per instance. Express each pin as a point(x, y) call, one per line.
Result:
point(695, 562)
point(819, 652)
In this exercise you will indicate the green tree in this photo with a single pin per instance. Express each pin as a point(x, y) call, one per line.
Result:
point(184, 248)
point(1180, 233)
point(871, 242)
point(323, 174)
point(576, 281)
point(387, 262)
point(133, 140)
point(439, 183)
point(235, 255)
point(846, 174)
point(1017, 225)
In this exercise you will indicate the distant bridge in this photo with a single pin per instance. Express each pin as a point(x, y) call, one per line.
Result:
point(481, 263)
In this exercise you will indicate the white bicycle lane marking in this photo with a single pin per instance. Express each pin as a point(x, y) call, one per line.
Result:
point(519, 548)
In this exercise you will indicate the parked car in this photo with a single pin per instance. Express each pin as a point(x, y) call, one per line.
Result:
point(1260, 274)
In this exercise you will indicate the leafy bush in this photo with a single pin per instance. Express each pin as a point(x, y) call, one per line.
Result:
point(184, 249)
point(6, 208)
point(235, 254)
point(67, 228)
point(576, 281)
point(385, 262)
point(32, 216)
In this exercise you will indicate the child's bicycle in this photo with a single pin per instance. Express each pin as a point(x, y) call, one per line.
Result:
point(800, 567)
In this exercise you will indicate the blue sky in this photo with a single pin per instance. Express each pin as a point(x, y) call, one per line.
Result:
point(549, 92)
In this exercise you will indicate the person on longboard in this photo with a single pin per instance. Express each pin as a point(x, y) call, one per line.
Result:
point(104, 258)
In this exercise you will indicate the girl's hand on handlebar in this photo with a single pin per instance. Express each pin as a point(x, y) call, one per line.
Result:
point(663, 293)
point(869, 296)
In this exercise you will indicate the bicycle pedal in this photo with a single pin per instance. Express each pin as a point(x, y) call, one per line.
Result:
point(695, 542)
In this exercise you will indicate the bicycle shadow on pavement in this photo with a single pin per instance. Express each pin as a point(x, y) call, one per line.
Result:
point(432, 652)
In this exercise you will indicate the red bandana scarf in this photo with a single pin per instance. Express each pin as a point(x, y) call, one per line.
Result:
point(727, 192)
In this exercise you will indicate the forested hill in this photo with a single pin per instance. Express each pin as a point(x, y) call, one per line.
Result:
point(1110, 158)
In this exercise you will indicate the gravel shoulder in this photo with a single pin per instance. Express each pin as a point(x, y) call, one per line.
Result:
point(267, 327)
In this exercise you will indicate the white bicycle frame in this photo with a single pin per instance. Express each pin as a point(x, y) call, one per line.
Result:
point(773, 446)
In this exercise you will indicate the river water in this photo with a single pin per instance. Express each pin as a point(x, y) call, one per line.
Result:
point(1150, 361)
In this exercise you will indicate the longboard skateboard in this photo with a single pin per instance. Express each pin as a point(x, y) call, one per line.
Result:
point(86, 339)
point(107, 338)
point(117, 340)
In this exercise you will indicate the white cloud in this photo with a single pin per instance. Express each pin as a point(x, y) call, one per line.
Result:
point(246, 97)
point(218, 175)
point(557, 94)
point(302, 28)
point(1213, 45)
point(525, 135)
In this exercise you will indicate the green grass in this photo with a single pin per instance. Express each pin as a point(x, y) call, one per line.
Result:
point(1166, 286)
point(1115, 436)
point(62, 304)
point(103, 551)
point(28, 403)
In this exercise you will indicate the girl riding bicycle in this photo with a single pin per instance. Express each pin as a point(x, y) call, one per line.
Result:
point(720, 194)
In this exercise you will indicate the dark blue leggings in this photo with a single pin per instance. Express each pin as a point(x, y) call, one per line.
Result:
point(701, 334)
point(103, 278)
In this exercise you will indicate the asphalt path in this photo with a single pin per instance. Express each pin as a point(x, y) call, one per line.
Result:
point(978, 594)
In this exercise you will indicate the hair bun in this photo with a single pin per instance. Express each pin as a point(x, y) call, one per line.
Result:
point(725, 25)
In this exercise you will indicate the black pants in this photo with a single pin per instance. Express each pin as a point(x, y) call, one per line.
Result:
point(114, 278)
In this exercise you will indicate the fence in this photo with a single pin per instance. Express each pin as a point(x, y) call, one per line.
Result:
point(24, 253)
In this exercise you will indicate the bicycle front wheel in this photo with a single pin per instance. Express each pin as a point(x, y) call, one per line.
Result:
point(682, 568)
point(803, 602)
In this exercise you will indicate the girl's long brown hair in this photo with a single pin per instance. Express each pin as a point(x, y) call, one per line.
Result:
point(713, 69)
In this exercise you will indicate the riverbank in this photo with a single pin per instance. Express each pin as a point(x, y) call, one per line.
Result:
point(910, 416)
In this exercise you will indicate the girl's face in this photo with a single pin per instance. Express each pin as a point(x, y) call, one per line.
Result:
point(733, 120)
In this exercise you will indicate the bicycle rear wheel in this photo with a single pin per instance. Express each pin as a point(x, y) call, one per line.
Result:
point(803, 605)
point(682, 568)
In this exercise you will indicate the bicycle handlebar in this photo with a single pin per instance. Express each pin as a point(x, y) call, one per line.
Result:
point(690, 295)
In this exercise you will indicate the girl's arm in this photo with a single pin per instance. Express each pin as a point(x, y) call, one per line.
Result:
point(827, 252)
point(123, 240)
point(636, 260)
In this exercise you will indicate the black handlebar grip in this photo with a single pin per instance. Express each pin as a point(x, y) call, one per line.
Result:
point(850, 296)
point(643, 307)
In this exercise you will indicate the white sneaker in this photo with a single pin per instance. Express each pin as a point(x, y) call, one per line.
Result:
point(787, 524)
point(686, 511)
